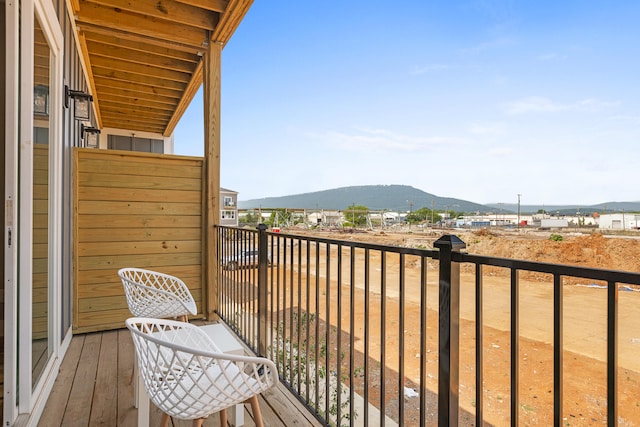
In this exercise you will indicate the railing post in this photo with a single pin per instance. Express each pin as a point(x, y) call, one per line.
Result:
point(449, 331)
point(263, 261)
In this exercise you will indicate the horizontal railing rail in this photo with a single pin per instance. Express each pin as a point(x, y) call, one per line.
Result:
point(370, 334)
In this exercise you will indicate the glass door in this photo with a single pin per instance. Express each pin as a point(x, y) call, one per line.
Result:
point(39, 184)
point(40, 339)
point(32, 129)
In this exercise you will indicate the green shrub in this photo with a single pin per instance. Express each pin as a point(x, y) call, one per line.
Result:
point(555, 238)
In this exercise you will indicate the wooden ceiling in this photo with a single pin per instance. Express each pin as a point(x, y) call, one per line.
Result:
point(144, 57)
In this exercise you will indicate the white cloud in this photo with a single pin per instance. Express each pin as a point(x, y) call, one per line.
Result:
point(635, 120)
point(500, 151)
point(539, 104)
point(380, 139)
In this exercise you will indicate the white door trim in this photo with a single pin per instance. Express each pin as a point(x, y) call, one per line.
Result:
point(12, 83)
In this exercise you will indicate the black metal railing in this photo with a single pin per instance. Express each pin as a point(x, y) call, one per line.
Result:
point(338, 317)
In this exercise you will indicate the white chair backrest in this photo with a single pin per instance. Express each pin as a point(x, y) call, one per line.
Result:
point(153, 294)
point(185, 374)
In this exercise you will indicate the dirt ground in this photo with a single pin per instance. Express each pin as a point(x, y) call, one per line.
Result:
point(584, 339)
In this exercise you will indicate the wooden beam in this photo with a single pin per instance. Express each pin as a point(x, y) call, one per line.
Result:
point(212, 72)
point(131, 126)
point(113, 117)
point(124, 108)
point(113, 39)
point(187, 97)
point(107, 85)
point(213, 5)
point(85, 55)
point(148, 26)
point(135, 101)
point(124, 54)
point(174, 12)
point(114, 94)
point(125, 76)
point(75, 6)
point(170, 45)
point(141, 69)
point(236, 10)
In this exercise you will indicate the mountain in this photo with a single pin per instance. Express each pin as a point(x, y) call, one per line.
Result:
point(403, 198)
point(399, 198)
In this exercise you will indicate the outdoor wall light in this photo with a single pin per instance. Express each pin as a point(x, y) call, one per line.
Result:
point(89, 135)
point(41, 100)
point(81, 102)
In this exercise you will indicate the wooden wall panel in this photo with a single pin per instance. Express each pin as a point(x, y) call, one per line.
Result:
point(40, 244)
point(133, 210)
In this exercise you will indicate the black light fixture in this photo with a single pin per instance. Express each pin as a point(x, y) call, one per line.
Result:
point(81, 103)
point(89, 135)
point(41, 100)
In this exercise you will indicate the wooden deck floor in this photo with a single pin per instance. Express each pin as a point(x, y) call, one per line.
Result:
point(93, 389)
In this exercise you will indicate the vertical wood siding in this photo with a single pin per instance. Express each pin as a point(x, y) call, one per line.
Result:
point(133, 210)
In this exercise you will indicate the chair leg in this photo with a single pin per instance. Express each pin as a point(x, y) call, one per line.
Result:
point(133, 371)
point(223, 418)
point(198, 422)
point(255, 407)
point(164, 421)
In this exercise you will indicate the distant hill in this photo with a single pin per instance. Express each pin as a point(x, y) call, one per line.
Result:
point(400, 198)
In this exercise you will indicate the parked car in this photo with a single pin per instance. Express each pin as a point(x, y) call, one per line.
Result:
point(247, 258)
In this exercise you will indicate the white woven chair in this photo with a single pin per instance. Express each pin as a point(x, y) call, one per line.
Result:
point(187, 377)
point(153, 294)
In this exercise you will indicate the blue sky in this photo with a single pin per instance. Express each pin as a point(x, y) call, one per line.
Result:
point(477, 100)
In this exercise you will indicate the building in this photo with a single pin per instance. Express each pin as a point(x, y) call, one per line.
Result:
point(99, 80)
point(619, 221)
point(228, 207)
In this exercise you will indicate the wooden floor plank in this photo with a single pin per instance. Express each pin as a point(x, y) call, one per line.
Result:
point(288, 409)
point(56, 404)
point(94, 389)
point(127, 413)
point(104, 411)
point(81, 397)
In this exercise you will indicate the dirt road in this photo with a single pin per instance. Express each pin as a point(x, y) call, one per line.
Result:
point(584, 339)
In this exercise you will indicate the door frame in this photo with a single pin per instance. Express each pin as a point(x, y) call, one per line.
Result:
point(12, 85)
point(22, 400)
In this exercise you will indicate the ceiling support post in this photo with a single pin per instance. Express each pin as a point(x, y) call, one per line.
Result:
point(211, 100)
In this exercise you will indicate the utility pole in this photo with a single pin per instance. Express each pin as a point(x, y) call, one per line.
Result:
point(432, 208)
point(353, 215)
point(519, 211)
point(410, 202)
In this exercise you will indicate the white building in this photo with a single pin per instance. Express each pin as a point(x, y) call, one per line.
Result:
point(619, 221)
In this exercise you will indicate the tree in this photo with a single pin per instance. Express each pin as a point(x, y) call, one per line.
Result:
point(356, 215)
point(279, 217)
point(421, 215)
point(250, 219)
point(455, 215)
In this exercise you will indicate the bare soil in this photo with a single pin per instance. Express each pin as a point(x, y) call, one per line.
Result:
point(584, 338)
